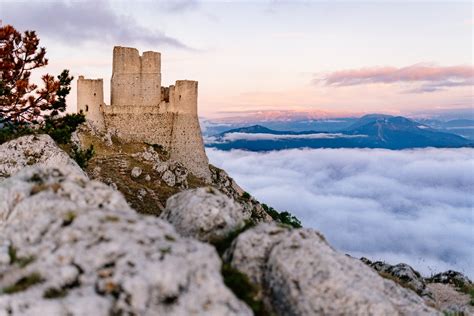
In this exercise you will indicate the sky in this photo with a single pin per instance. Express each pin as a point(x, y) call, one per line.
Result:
point(332, 58)
point(382, 204)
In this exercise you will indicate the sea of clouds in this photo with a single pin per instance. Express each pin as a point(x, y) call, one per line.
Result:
point(231, 137)
point(412, 206)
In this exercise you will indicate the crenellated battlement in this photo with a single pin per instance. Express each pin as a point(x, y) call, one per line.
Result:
point(142, 110)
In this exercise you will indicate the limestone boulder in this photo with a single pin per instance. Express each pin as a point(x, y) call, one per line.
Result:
point(302, 275)
point(249, 252)
point(32, 150)
point(173, 173)
point(71, 246)
point(149, 154)
point(204, 213)
point(136, 172)
point(168, 177)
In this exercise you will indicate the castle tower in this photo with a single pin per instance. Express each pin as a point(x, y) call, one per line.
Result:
point(90, 99)
point(183, 96)
point(136, 80)
point(143, 111)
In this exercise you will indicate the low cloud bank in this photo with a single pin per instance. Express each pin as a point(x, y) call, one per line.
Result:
point(231, 137)
point(412, 206)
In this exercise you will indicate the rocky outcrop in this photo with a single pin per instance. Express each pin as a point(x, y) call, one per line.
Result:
point(32, 150)
point(173, 173)
point(302, 275)
point(451, 300)
point(448, 291)
point(450, 277)
point(205, 214)
point(403, 274)
point(71, 246)
point(222, 181)
point(453, 292)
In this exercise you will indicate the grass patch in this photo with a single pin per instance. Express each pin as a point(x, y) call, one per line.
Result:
point(18, 260)
point(68, 218)
point(222, 245)
point(52, 293)
point(111, 218)
point(24, 261)
point(240, 284)
point(12, 254)
point(388, 276)
point(169, 238)
point(467, 289)
point(23, 283)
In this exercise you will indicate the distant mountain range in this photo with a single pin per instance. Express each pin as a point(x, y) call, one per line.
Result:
point(369, 131)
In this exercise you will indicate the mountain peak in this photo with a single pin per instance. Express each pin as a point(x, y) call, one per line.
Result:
point(251, 129)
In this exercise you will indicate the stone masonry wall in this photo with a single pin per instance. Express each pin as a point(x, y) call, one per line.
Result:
point(173, 125)
point(142, 110)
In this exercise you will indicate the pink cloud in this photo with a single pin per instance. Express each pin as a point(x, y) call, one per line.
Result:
point(432, 77)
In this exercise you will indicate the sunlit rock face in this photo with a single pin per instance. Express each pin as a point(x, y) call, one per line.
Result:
point(71, 246)
point(32, 150)
point(300, 274)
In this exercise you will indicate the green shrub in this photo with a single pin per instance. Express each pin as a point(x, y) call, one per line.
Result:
point(52, 293)
point(222, 245)
point(246, 196)
point(9, 132)
point(283, 217)
point(82, 157)
point(61, 128)
point(23, 283)
point(287, 218)
point(18, 260)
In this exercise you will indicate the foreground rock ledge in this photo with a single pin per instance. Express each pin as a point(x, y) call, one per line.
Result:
point(70, 246)
point(39, 150)
point(300, 274)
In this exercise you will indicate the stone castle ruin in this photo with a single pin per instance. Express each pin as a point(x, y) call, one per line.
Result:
point(141, 110)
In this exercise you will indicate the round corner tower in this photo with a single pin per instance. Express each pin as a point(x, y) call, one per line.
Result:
point(90, 99)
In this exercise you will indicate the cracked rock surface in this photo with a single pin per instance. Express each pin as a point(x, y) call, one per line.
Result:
point(300, 274)
point(71, 246)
